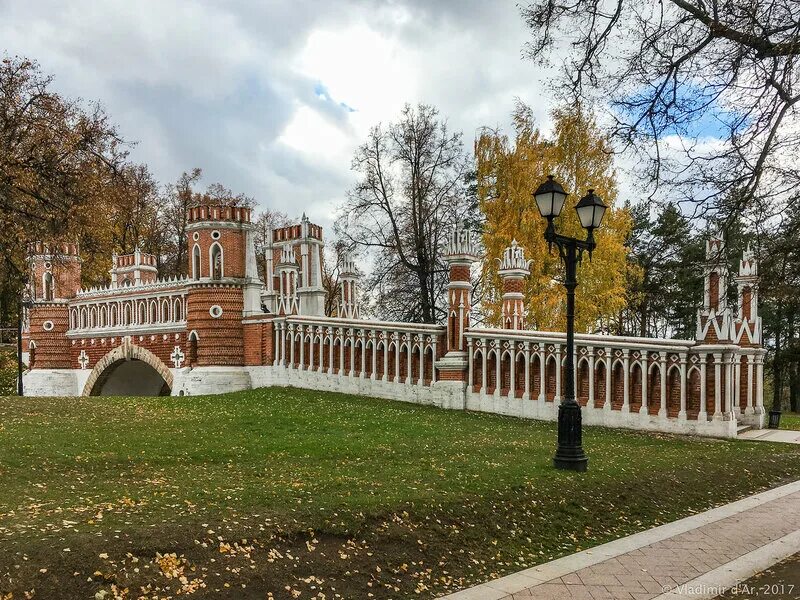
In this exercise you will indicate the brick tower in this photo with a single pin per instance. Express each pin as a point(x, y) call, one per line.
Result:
point(460, 254)
point(223, 283)
point(714, 319)
point(55, 279)
point(348, 277)
point(747, 326)
point(513, 270)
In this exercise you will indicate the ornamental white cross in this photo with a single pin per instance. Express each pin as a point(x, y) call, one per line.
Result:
point(177, 357)
point(83, 359)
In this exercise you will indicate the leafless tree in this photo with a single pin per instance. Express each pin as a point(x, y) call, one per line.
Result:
point(410, 194)
point(675, 70)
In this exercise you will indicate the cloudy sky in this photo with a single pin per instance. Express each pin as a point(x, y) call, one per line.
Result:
point(270, 98)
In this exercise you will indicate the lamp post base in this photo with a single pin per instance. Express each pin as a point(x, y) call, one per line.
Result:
point(569, 455)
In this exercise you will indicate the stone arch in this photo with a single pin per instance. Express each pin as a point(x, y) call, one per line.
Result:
point(124, 352)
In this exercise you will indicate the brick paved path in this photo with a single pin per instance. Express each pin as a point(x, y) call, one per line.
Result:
point(699, 556)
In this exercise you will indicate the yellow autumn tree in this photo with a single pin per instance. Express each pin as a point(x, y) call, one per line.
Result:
point(507, 174)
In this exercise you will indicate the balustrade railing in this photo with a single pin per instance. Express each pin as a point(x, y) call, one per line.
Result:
point(377, 350)
point(147, 307)
point(660, 377)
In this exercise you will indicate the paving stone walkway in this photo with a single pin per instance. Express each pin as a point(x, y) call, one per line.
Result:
point(771, 435)
point(697, 557)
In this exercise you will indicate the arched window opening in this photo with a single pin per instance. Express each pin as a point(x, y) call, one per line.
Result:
point(196, 262)
point(215, 259)
point(193, 340)
point(178, 312)
point(48, 286)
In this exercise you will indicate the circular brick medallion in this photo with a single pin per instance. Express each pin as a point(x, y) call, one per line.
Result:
point(48, 325)
point(215, 311)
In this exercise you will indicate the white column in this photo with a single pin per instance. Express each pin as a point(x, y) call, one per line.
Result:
point(385, 356)
point(662, 365)
point(397, 359)
point(374, 356)
point(352, 337)
point(526, 395)
point(759, 409)
point(749, 410)
point(737, 385)
point(311, 366)
point(291, 346)
point(330, 351)
point(470, 366)
point(409, 360)
point(609, 370)
point(717, 387)
point(512, 374)
point(485, 362)
point(643, 409)
point(321, 349)
point(433, 361)
point(558, 374)
point(702, 416)
point(590, 401)
point(497, 361)
point(728, 387)
point(421, 377)
point(542, 374)
point(682, 413)
point(341, 352)
point(626, 368)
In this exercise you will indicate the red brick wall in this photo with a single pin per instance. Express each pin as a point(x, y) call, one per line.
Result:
point(160, 344)
point(52, 347)
point(234, 251)
point(221, 340)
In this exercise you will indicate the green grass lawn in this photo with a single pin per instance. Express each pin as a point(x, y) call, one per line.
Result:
point(306, 494)
point(790, 420)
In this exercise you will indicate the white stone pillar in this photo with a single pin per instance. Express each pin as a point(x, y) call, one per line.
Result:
point(542, 375)
point(557, 397)
point(609, 370)
point(470, 366)
point(737, 385)
point(644, 408)
point(526, 395)
point(682, 412)
point(728, 387)
point(497, 361)
point(421, 374)
point(759, 409)
point(662, 365)
point(410, 359)
point(291, 345)
point(749, 410)
point(512, 375)
point(626, 368)
point(485, 363)
point(717, 386)
point(590, 401)
point(703, 414)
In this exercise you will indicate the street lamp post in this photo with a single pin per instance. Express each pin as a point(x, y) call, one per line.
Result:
point(25, 303)
point(550, 197)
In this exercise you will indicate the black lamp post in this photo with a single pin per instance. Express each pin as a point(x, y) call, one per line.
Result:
point(25, 303)
point(550, 197)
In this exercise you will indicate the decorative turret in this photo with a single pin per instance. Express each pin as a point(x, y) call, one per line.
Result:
point(513, 270)
point(714, 320)
point(133, 269)
point(348, 277)
point(747, 326)
point(305, 239)
point(288, 276)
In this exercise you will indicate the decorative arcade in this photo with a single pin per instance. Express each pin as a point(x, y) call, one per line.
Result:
point(223, 329)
